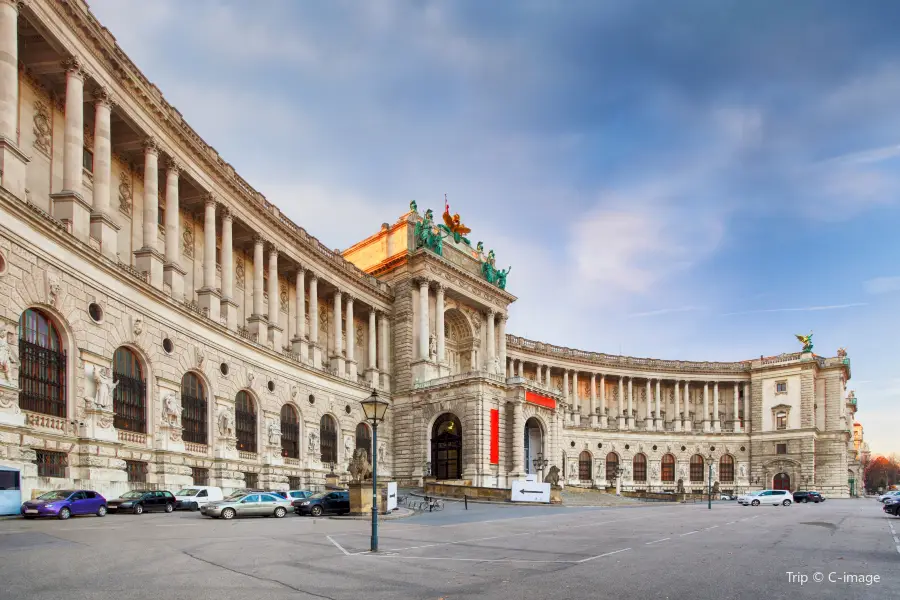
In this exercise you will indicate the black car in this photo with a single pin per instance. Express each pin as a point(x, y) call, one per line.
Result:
point(808, 497)
point(323, 502)
point(139, 501)
point(892, 508)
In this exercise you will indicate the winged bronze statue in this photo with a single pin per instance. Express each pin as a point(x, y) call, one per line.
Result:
point(806, 340)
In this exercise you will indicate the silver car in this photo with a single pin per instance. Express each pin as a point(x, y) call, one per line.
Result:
point(254, 504)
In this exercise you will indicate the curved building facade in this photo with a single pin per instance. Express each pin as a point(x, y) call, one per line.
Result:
point(166, 325)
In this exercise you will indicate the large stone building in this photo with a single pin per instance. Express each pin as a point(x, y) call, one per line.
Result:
point(166, 325)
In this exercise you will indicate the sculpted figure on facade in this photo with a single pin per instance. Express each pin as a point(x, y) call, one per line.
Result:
point(742, 471)
point(432, 347)
point(104, 386)
point(552, 476)
point(54, 288)
point(226, 423)
point(199, 356)
point(274, 431)
point(654, 472)
point(171, 411)
point(381, 451)
point(348, 445)
point(360, 469)
point(137, 327)
point(312, 445)
point(9, 358)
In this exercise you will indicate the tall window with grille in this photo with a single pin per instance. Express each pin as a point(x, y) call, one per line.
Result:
point(294, 482)
point(193, 409)
point(136, 470)
point(668, 468)
point(639, 465)
point(697, 469)
point(251, 480)
point(42, 374)
point(328, 439)
point(612, 465)
point(290, 432)
point(129, 396)
point(584, 466)
point(200, 476)
point(364, 439)
point(726, 468)
point(51, 464)
point(245, 422)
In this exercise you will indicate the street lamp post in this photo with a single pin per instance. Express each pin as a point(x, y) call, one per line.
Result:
point(539, 463)
point(619, 471)
point(374, 409)
point(709, 460)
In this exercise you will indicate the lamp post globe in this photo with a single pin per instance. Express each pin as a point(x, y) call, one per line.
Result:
point(374, 409)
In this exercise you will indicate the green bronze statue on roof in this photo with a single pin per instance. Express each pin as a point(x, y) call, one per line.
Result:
point(806, 340)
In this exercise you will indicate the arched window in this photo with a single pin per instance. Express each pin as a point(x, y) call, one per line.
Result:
point(640, 467)
point(290, 432)
point(668, 468)
point(612, 464)
point(42, 373)
point(697, 468)
point(328, 439)
point(245, 422)
point(446, 447)
point(129, 396)
point(193, 410)
point(726, 468)
point(364, 439)
point(584, 466)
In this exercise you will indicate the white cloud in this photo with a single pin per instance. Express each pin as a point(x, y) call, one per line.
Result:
point(664, 311)
point(882, 285)
point(798, 309)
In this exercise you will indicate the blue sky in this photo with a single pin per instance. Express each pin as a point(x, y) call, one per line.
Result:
point(696, 180)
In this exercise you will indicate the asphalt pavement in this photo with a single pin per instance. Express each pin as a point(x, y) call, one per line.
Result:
point(489, 551)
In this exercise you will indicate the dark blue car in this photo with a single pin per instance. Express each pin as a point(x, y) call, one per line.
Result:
point(63, 504)
point(323, 502)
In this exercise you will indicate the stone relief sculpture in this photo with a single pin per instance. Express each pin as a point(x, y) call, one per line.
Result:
point(9, 358)
point(312, 446)
point(679, 487)
point(41, 130)
point(104, 386)
point(382, 448)
point(742, 471)
point(199, 356)
point(432, 347)
point(294, 391)
point(348, 445)
point(681, 473)
point(251, 376)
point(713, 474)
point(654, 472)
point(137, 327)
point(54, 288)
point(226, 423)
point(171, 412)
point(552, 476)
point(274, 431)
point(359, 466)
point(125, 192)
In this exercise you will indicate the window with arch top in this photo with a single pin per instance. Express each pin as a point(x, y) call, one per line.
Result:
point(194, 417)
point(584, 466)
point(612, 465)
point(726, 468)
point(668, 468)
point(364, 439)
point(245, 422)
point(290, 432)
point(697, 467)
point(639, 463)
point(328, 439)
point(129, 395)
point(42, 372)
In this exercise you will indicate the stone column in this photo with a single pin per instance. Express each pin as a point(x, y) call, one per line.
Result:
point(688, 422)
point(298, 344)
point(658, 423)
point(736, 416)
point(620, 418)
point(439, 321)
point(706, 422)
point(537, 374)
point(717, 425)
point(595, 420)
point(677, 416)
point(103, 228)
point(314, 320)
point(630, 413)
point(604, 415)
point(148, 258)
point(490, 367)
point(423, 319)
point(518, 439)
point(257, 321)
point(384, 348)
point(648, 419)
point(210, 299)
point(173, 274)
point(747, 427)
point(275, 328)
point(576, 400)
point(502, 325)
point(12, 160)
point(337, 356)
point(521, 368)
point(372, 370)
point(228, 305)
point(69, 204)
point(353, 368)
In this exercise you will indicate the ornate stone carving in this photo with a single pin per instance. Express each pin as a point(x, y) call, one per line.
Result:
point(283, 296)
point(126, 194)
point(226, 423)
point(187, 238)
point(682, 473)
point(239, 273)
point(9, 399)
point(359, 467)
point(137, 327)
point(382, 449)
point(312, 445)
point(103, 388)
point(9, 358)
point(274, 432)
point(432, 347)
point(171, 410)
point(348, 445)
point(42, 131)
point(654, 472)
point(199, 356)
point(552, 476)
point(251, 377)
point(742, 471)
point(54, 288)
point(294, 391)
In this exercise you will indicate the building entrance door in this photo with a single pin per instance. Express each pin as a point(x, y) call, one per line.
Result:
point(446, 448)
point(781, 481)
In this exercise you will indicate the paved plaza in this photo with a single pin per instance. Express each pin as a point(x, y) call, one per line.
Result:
point(489, 551)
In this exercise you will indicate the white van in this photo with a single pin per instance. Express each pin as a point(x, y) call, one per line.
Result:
point(192, 498)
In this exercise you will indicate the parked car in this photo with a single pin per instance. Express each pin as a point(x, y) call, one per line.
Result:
point(323, 502)
point(255, 504)
point(886, 495)
point(139, 501)
point(808, 497)
point(774, 497)
point(64, 504)
point(298, 494)
point(892, 506)
point(194, 497)
point(727, 497)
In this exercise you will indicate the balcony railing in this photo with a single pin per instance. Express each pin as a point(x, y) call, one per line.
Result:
point(459, 377)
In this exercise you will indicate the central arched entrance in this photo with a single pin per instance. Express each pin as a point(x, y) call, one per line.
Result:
point(458, 342)
point(534, 445)
point(446, 447)
point(781, 481)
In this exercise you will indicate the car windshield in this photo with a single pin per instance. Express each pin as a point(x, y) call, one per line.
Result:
point(55, 495)
point(187, 492)
point(132, 494)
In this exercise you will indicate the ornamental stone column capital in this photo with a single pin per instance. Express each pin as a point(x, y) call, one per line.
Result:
point(151, 146)
point(73, 66)
point(259, 240)
point(103, 97)
point(174, 166)
point(209, 200)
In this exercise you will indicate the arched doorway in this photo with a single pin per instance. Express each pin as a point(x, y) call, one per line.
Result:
point(42, 373)
point(668, 469)
point(458, 342)
point(585, 461)
point(534, 445)
point(446, 447)
point(612, 466)
point(781, 481)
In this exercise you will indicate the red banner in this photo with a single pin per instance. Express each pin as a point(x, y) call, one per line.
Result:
point(540, 400)
point(495, 436)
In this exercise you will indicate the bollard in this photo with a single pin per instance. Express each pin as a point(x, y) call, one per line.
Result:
point(466, 500)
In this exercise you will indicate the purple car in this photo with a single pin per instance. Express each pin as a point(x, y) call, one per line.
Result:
point(63, 504)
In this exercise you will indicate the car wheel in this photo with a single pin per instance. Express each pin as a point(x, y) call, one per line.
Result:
point(316, 511)
point(101, 512)
point(138, 509)
point(754, 503)
point(64, 513)
point(280, 512)
point(169, 508)
point(786, 503)
point(194, 506)
point(228, 514)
